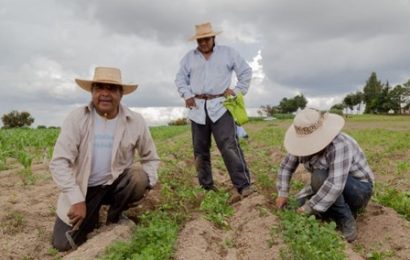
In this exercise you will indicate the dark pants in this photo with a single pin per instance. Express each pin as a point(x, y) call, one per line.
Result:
point(224, 132)
point(128, 188)
point(355, 196)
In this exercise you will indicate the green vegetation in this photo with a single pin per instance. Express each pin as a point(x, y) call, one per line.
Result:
point(286, 106)
point(309, 239)
point(154, 239)
point(17, 119)
point(385, 140)
point(12, 223)
point(393, 198)
point(216, 208)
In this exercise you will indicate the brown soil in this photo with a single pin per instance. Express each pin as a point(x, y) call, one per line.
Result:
point(28, 212)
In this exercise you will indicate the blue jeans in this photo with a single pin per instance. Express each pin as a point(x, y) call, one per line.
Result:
point(355, 196)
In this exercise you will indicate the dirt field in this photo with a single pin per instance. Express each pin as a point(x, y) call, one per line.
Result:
point(27, 218)
point(28, 212)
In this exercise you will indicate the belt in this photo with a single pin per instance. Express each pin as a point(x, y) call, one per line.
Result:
point(208, 96)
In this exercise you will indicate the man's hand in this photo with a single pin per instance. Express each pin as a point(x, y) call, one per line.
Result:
point(77, 213)
point(281, 202)
point(190, 103)
point(229, 92)
point(301, 210)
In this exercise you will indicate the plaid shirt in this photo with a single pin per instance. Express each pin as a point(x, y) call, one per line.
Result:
point(343, 156)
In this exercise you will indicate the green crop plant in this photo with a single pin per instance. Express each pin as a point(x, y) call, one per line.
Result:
point(12, 223)
point(379, 255)
point(393, 198)
point(216, 208)
point(307, 238)
point(154, 238)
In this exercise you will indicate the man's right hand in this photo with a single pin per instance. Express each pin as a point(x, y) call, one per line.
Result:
point(281, 202)
point(77, 213)
point(190, 103)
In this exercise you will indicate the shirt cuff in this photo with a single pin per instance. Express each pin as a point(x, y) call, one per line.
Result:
point(282, 194)
point(237, 90)
point(188, 96)
point(75, 196)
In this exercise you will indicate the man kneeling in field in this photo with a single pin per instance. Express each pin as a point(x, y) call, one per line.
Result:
point(341, 179)
point(93, 160)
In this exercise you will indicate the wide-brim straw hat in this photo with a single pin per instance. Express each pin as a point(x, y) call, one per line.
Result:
point(109, 76)
point(312, 131)
point(203, 30)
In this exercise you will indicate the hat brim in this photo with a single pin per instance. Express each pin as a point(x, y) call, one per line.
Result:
point(196, 37)
point(304, 145)
point(87, 84)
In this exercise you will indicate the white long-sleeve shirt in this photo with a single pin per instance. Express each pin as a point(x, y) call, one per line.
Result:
point(213, 76)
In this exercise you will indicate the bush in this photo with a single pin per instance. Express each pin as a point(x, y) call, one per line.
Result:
point(16, 119)
point(336, 111)
point(41, 127)
point(179, 121)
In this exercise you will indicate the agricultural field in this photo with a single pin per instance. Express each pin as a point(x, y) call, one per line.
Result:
point(178, 220)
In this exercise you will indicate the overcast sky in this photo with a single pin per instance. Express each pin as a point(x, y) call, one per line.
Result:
point(324, 49)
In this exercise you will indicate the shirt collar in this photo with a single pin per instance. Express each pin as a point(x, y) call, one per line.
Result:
point(122, 111)
point(215, 49)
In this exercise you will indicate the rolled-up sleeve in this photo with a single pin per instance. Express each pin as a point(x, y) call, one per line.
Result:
point(243, 73)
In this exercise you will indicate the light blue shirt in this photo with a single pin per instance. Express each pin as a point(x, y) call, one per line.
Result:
point(213, 76)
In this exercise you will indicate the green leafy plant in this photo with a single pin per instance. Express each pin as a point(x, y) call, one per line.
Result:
point(216, 208)
point(154, 239)
point(309, 239)
point(391, 197)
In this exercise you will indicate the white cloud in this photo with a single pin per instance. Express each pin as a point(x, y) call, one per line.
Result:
point(161, 115)
point(321, 48)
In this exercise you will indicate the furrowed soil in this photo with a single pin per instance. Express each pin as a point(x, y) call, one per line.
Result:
point(27, 212)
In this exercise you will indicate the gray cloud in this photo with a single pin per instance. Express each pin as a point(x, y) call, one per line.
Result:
point(321, 48)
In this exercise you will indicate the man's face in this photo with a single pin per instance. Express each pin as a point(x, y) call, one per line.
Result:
point(205, 45)
point(106, 99)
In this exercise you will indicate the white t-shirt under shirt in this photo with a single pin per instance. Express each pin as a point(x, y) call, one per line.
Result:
point(104, 131)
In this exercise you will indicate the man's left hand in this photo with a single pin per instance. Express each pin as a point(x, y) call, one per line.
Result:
point(301, 210)
point(229, 92)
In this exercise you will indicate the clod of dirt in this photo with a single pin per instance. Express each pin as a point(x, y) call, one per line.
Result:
point(249, 237)
point(102, 239)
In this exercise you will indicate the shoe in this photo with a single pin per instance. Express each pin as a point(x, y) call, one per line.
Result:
point(211, 188)
point(349, 230)
point(245, 192)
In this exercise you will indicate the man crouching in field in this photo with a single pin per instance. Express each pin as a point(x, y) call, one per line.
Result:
point(93, 160)
point(341, 180)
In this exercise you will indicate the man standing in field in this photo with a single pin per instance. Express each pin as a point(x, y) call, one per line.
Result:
point(341, 179)
point(93, 159)
point(204, 78)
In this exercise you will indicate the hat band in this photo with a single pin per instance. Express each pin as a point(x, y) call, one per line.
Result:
point(307, 130)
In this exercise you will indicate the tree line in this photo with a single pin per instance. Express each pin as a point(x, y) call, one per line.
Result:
point(377, 98)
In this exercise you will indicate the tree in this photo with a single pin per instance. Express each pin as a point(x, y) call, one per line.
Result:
point(350, 101)
point(371, 93)
point(268, 110)
point(16, 119)
point(338, 106)
point(292, 104)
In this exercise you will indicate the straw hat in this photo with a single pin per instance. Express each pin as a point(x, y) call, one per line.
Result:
point(312, 131)
point(108, 76)
point(203, 30)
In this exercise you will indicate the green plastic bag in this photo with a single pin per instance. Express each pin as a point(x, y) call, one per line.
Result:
point(236, 106)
